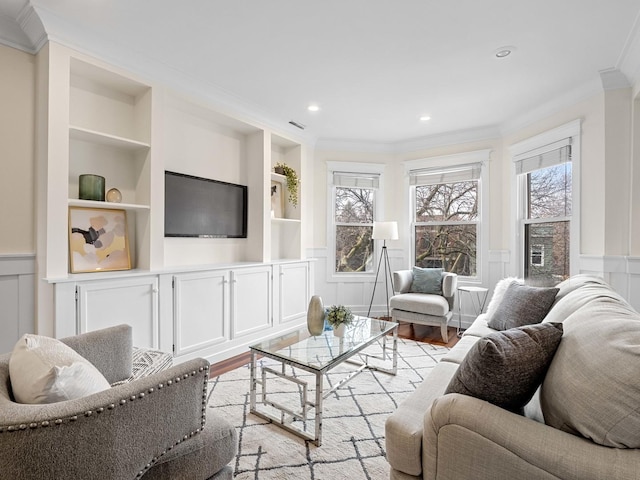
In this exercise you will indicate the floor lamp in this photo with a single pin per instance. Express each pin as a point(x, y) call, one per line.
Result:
point(384, 231)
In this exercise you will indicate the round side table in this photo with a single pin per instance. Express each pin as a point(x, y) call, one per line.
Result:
point(478, 296)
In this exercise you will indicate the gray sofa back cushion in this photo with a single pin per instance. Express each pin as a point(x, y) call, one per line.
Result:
point(110, 350)
point(592, 387)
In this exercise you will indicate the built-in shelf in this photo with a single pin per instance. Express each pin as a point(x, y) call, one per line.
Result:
point(285, 220)
point(276, 177)
point(84, 134)
point(74, 202)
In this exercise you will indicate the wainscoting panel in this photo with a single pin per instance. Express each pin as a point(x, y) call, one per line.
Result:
point(17, 297)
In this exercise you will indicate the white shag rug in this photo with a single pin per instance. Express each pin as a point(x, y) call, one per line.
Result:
point(353, 421)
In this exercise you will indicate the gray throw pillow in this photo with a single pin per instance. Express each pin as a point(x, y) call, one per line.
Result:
point(505, 368)
point(427, 280)
point(522, 305)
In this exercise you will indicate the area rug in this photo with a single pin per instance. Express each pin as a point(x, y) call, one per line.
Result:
point(353, 422)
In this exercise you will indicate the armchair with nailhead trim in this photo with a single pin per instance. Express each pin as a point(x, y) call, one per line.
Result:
point(149, 428)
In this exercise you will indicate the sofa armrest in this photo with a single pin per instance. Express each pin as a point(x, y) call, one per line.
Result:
point(469, 438)
point(115, 434)
point(402, 280)
point(110, 350)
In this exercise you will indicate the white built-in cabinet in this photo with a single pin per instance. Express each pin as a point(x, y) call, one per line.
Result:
point(97, 118)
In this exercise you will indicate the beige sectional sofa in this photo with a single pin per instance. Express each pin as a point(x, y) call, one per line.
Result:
point(589, 399)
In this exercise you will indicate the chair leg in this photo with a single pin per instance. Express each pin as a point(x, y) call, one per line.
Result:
point(445, 332)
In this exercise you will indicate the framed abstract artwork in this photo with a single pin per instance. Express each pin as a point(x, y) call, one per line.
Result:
point(98, 240)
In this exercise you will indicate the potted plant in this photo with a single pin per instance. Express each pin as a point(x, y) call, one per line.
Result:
point(292, 181)
point(339, 316)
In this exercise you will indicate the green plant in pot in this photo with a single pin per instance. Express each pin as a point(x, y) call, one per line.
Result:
point(292, 181)
point(339, 316)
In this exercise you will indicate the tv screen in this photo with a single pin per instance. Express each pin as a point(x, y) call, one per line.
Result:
point(201, 207)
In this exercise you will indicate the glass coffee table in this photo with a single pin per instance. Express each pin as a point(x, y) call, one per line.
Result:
point(316, 355)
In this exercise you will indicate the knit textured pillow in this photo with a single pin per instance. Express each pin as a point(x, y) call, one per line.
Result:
point(505, 368)
point(427, 280)
point(522, 305)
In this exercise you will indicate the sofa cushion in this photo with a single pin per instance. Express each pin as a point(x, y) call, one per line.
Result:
point(427, 280)
point(592, 387)
point(505, 368)
point(45, 370)
point(425, 304)
point(498, 294)
point(522, 305)
point(404, 427)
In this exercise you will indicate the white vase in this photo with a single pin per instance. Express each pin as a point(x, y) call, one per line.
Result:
point(339, 330)
point(315, 316)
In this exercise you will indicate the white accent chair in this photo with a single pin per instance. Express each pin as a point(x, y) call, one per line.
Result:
point(423, 308)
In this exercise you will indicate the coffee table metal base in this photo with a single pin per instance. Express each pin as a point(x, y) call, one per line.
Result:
point(287, 415)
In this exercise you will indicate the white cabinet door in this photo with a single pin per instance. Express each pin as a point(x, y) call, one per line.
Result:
point(201, 316)
point(251, 300)
point(293, 291)
point(105, 303)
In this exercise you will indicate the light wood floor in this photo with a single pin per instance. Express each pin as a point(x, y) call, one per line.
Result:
point(409, 331)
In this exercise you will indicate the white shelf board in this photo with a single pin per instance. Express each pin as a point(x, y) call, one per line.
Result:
point(74, 202)
point(285, 220)
point(79, 133)
point(276, 177)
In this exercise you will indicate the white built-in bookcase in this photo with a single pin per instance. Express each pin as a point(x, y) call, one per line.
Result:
point(99, 119)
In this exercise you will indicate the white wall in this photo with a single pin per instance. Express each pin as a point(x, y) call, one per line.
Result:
point(17, 154)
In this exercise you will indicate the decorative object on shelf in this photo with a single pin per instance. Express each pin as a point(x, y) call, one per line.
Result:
point(384, 231)
point(277, 199)
point(98, 240)
point(91, 187)
point(339, 316)
point(315, 316)
point(292, 181)
point(114, 195)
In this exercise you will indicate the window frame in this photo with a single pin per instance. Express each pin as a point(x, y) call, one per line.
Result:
point(378, 213)
point(446, 162)
point(569, 134)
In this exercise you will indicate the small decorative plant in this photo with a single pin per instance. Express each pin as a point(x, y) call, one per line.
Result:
point(292, 181)
point(339, 314)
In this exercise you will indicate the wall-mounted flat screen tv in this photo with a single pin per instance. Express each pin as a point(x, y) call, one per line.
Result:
point(205, 208)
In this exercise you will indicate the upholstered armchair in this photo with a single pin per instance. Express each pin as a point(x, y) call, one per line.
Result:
point(434, 309)
point(153, 427)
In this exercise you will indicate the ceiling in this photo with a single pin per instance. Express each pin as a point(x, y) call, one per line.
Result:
point(374, 67)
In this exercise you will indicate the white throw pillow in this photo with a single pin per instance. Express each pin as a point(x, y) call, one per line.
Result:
point(45, 370)
point(498, 293)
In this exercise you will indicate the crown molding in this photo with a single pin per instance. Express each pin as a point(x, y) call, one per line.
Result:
point(629, 60)
point(547, 109)
point(20, 26)
point(613, 79)
point(412, 145)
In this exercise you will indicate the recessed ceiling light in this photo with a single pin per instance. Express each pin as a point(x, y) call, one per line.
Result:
point(503, 52)
point(313, 107)
point(425, 118)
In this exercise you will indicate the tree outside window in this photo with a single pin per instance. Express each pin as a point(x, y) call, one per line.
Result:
point(446, 226)
point(354, 215)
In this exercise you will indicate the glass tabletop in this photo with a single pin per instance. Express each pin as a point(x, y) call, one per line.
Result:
point(323, 351)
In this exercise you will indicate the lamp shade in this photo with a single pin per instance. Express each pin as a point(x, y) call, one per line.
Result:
point(385, 231)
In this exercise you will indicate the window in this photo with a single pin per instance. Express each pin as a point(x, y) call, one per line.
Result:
point(537, 255)
point(353, 210)
point(446, 217)
point(546, 217)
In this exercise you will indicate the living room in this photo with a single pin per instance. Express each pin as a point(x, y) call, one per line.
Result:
point(62, 89)
point(604, 105)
